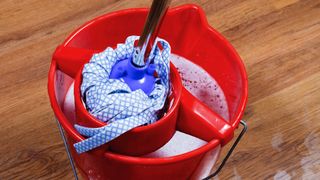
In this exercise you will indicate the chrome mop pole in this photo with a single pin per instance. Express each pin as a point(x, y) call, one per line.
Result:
point(150, 32)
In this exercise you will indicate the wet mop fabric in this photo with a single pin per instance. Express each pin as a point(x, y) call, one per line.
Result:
point(112, 101)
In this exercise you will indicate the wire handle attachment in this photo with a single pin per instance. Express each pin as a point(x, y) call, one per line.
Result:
point(244, 129)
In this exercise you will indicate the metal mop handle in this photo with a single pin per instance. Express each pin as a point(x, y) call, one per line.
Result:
point(150, 31)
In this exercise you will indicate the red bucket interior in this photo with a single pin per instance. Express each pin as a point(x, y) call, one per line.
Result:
point(195, 40)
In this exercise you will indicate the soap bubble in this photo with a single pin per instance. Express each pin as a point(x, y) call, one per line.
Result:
point(200, 84)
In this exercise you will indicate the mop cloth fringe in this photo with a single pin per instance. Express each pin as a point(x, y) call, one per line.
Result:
point(113, 102)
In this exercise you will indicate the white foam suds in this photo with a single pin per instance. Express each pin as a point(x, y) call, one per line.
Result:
point(236, 174)
point(200, 84)
point(282, 175)
point(310, 163)
point(277, 141)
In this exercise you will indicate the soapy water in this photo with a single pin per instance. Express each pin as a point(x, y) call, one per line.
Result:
point(200, 84)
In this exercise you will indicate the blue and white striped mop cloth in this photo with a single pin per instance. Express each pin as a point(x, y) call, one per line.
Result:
point(112, 101)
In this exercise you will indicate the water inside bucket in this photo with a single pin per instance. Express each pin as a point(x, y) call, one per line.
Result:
point(200, 84)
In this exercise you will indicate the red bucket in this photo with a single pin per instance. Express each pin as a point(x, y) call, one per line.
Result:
point(190, 36)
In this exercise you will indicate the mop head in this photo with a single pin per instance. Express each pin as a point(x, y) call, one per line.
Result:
point(113, 102)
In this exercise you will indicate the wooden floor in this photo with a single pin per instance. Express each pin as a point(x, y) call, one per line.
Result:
point(279, 41)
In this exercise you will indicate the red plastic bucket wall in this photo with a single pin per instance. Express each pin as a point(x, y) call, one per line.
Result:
point(190, 36)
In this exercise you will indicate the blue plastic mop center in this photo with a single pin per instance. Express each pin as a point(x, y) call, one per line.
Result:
point(118, 92)
point(136, 77)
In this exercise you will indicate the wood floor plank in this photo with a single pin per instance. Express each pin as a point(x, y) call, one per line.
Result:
point(278, 41)
point(284, 133)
